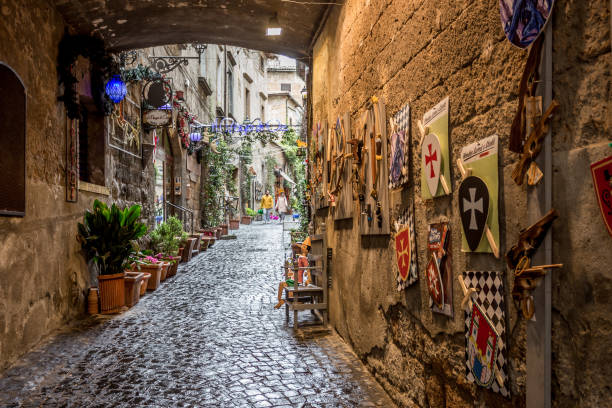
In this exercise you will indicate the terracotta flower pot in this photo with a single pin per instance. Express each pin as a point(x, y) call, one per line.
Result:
point(143, 284)
point(112, 293)
point(234, 224)
point(246, 219)
point(172, 269)
point(180, 254)
point(155, 271)
point(224, 230)
point(204, 244)
point(164, 271)
point(132, 282)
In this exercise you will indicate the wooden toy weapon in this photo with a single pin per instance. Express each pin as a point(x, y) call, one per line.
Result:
point(530, 239)
point(533, 146)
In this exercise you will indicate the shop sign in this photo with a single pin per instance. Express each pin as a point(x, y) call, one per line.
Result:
point(157, 117)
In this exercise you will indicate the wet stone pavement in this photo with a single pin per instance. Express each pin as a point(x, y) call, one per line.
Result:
point(208, 337)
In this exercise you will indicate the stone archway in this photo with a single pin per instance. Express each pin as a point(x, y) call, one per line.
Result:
point(143, 23)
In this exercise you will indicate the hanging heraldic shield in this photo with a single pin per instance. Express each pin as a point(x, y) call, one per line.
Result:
point(434, 282)
point(481, 158)
point(435, 123)
point(473, 209)
point(602, 181)
point(405, 249)
point(481, 347)
point(431, 158)
point(485, 331)
point(524, 20)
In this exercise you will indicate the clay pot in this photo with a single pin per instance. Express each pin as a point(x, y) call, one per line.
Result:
point(172, 269)
point(204, 244)
point(112, 293)
point(180, 254)
point(224, 230)
point(246, 219)
point(164, 271)
point(234, 224)
point(132, 282)
point(143, 284)
point(92, 301)
point(155, 271)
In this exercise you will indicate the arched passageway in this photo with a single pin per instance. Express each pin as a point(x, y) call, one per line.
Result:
point(141, 23)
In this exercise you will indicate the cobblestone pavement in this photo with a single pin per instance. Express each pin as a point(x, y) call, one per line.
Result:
point(208, 337)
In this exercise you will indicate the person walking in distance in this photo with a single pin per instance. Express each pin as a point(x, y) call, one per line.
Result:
point(281, 207)
point(266, 205)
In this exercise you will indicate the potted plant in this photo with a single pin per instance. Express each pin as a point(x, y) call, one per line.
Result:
point(246, 219)
point(152, 266)
point(106, 236)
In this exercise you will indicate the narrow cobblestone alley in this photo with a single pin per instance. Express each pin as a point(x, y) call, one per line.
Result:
point(209, 337)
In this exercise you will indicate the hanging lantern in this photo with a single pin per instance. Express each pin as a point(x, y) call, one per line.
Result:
point(195, 136)
point(116, 89)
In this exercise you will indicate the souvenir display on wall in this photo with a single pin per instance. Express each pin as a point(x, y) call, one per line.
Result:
point(526, 164)
point(478, 196)
point(435, 157)
point(405, 264)
point(342, 186)
point(526, 276)
point(524, 20)
point(485, 330)
point(602, 182)
point(400, 148)
point(439, 272)
point(72, 160)
point(320, 166)
point(374, 217)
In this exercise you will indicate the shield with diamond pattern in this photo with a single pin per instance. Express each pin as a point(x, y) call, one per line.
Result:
point(487, 337)
point(473, 209)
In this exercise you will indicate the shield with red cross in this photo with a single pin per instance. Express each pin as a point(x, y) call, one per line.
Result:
point(431, 156)
point(403, 252)
point(434, 282)
point(602, 181)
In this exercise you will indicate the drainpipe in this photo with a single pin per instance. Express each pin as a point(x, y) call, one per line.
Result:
point(539, 201)
point(286, 110)
point(225, 79)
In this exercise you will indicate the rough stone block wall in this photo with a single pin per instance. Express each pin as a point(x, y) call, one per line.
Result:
point(42, 273)
point(420, 51)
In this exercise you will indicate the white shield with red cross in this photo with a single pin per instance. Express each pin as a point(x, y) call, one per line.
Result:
point(431, 156)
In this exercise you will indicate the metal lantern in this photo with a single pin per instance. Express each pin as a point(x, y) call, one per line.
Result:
point(116, 89)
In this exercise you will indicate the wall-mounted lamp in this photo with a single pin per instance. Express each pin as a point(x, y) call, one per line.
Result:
point(274, 27)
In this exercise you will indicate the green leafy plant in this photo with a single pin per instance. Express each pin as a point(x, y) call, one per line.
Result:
point(106, 235)
point(167, 236)
point(250, 212)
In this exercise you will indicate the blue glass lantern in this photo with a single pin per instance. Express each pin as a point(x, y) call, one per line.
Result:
point(116, 89)
point(195, 136)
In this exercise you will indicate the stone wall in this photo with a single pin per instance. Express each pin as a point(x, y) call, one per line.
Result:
point(420, 51)
point(43, 276)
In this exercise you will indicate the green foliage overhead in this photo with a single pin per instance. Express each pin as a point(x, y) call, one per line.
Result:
point(106, 235)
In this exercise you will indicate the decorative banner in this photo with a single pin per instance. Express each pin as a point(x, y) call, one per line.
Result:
point(436, 122)
point(473, 210)
point(439, 245)
point(485, 331)
point(400, 148)
point(431, 159)
point(405, 250)
point(434, 282)
point(602, 181)
point(524, 20)
point(480, 159)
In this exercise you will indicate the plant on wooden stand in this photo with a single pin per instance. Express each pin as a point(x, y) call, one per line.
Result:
point(107, 236)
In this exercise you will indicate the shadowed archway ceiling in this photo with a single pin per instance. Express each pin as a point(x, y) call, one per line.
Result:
point(128, 24)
